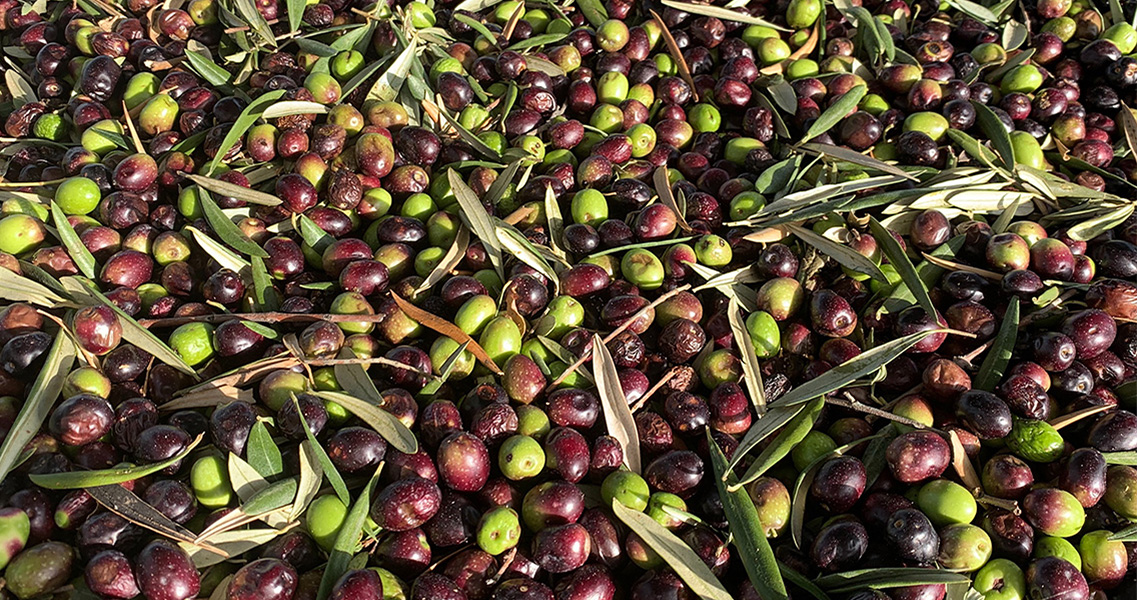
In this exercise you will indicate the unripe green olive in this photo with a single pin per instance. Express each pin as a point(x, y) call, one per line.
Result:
point(441, 351)
point(141, 87)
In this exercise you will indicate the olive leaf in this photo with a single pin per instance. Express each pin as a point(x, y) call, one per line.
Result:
point(232, 543)
point(449, 261)
point(233, 190)
point(226, 229)
point(875, 457)
point(778, 176)
point(1091, 228)
point(245, 479)
point(41, 397)
point(675, 552)
point(73, 480)
point(387, 87)
point(856, 158)
point(973, 148)
point(263, 453)
point(386, 424)
point(776, 418)
point(127, 505)
point(746, 529)
point(663, 189)
point(654, 244)
point(207, 397)
point(21, 289)
point(41, 277)
point(538, 40)
point(207, 69)
point(296, 14)
point(1121, 458)
point(791, 435)
point(311, 474)
point(248, 116)
point(851, 581)
point(802, 582)
point(727, 286)
point(313, 234)
point(525, 251)
point(995, 131)
point(216, 250)
point(1128, 534)
point(752, 371)
point(853, 369)
point(846, 256)
point(444, 371)
point(999, 356)
point(22, 92)
point(477, 26)
point(593, 11)
point(474, 141)
point(347, 540)
point(474, 215)
point(708, 10)
point(326, 465)
point(78, 252)
point(617, 416)
point(929, 273)
point(294, 107)
point(835, 113)
point(908, 275)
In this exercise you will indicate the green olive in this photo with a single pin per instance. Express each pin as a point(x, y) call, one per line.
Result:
point(627, 488)
point(210, 480)
point(193, 342)
point(324, 518)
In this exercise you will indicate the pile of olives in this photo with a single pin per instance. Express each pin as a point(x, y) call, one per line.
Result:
point(386, 239)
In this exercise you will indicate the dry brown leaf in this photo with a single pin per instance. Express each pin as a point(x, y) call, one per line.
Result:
point(209, 396)
point(962, 463)
point(447, 329)
point(1078, 415)
point(676, 54)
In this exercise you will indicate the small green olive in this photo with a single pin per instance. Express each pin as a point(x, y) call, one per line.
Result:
point(193, 342)
point(627, 488)
point(324, 518)
point(521, 457)
point(210, 480)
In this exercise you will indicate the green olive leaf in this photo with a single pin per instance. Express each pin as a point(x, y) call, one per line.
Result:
point(835, 113)
point(752, 371)
point(248, 116)
point(846, 256)
point(277, 495)
point(387, 87)
point(746, 529)
point(675, 552)
point(311, 474)
point(73, 480)
point(40, 399)
point(347, 540)
point(999, 356)
point(994, 129)
point(901, 297)
point(1129, 534)
point(226, 229)
point(79, 253)
point(391, 428)
point(851, 581)
point(474, 215)
point(85, 291)
point(594, 11)
point(224, 256)
point(791, 435)
point(777, 417)
point(908, 275)
point(233, 190)
point(853, 369)
point(207, 69)
point(1121, 458)
point(329, 468)
point(856, 158)
point(296, 14)
point(263, 453)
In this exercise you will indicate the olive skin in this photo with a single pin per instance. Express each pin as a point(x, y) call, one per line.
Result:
point(164, 571)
